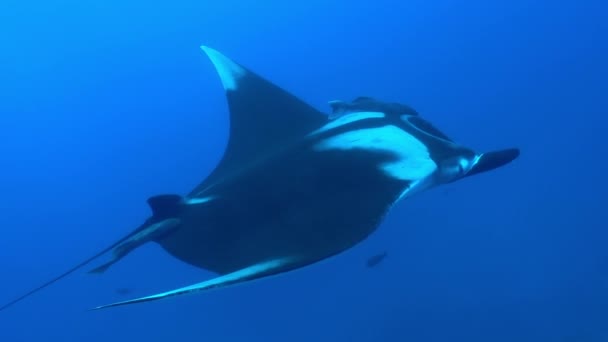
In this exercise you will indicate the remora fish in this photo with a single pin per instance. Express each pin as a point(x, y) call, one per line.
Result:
point(368, 104)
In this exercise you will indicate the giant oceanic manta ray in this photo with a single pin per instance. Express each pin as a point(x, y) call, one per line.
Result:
point(294, 186)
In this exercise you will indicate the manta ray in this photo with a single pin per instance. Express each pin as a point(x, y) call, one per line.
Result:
point(295, 185)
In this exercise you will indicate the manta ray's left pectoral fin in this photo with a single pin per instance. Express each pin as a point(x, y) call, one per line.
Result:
point(257, 271)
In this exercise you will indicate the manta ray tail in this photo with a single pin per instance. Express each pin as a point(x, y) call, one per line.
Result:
point(256, 271)
point(163, 207)
point(61, 276)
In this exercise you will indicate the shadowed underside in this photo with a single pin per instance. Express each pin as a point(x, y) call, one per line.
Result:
point(294, 185)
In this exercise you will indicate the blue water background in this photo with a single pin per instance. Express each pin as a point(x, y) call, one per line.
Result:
point(103, 104)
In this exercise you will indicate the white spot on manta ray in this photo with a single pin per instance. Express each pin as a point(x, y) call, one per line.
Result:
point(413, 162)
point(348, 118)
point(199, 200)
point(229, 71)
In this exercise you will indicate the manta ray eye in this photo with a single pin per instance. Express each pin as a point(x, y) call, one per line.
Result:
point(454, 168)
point(464, 165)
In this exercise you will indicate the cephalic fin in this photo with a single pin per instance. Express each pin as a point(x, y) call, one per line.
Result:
point(492, 160)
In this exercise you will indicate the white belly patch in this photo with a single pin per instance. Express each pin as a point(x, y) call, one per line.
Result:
point(413, 162)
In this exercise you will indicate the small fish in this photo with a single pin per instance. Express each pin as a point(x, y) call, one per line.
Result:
point(376, 259)
point(123, 291)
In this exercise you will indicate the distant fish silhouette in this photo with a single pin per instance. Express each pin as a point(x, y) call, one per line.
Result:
point(123, 291)
point(293, 187)
point(376, 259)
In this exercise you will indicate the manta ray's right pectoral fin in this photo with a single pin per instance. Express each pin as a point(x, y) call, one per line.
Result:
point(257, 271)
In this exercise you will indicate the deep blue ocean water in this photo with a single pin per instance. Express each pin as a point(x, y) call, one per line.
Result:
point(103, 104)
